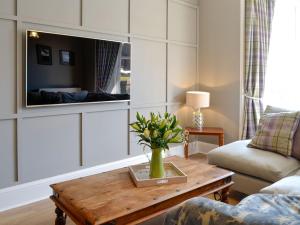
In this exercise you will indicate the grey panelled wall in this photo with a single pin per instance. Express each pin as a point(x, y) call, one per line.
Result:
point(43, 142)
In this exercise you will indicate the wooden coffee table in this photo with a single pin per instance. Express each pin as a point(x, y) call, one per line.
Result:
point(112, 198)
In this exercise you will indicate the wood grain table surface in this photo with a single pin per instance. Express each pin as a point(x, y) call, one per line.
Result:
point(112, 198)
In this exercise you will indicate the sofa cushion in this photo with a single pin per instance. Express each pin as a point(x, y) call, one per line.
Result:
point(265, 165)
point(276, 132)
point(73, 97)
point(288, 185)
point(296, 144)
point(51, 97)
point(297, 172)
point(273, 109)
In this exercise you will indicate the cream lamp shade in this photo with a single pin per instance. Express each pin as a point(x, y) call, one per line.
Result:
point(197, 99)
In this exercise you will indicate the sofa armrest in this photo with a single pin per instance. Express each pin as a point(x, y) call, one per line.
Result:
point(288, 185)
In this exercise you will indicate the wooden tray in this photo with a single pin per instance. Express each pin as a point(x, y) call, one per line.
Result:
point(140, 175)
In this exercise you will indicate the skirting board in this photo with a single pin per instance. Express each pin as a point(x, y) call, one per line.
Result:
point(37, 190)
point(27, 193)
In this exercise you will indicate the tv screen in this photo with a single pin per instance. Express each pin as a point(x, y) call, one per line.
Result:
point(64, 69)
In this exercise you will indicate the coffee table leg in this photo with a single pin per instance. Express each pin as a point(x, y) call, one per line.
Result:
point(60, 217)
point(224, 195)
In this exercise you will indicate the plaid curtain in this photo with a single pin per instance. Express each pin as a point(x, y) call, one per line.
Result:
point(258, 21)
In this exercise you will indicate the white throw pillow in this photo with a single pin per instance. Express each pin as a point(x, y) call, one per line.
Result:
point(288, 185)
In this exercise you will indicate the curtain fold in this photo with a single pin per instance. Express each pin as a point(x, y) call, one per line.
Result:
point(258, 24)
point(106, 58)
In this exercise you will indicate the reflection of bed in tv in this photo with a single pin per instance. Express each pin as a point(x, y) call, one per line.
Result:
point(50, 96)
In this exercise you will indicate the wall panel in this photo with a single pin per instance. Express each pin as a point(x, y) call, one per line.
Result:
point(109, 15)
point(194, 2)
point(54, 11)
point(182, 23)
point(106, 137)
point(72, 32)
point(184, 114)
point(8, 7)
point(7, 67)
point(7, 152)
point(221, 62)
point(148, 72)
point(149, 17)
point(182, 71)
point(50, 146)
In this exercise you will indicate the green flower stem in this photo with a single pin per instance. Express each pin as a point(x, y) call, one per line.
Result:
point(157, 169)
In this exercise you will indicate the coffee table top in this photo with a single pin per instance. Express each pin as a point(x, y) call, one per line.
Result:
point(104, 197)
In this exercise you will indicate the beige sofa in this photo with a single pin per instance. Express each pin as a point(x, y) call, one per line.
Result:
point(284, 193)
point(254, 169)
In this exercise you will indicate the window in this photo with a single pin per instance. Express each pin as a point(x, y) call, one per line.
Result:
point(283, 70)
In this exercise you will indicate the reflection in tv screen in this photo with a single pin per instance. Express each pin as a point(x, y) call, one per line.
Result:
point(65, 69)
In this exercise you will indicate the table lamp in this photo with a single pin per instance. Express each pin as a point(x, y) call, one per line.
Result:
point(197, 100)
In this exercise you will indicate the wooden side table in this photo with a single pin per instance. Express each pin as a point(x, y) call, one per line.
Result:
point(208, 131)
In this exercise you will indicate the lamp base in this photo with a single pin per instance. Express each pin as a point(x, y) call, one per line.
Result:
point(198, 119)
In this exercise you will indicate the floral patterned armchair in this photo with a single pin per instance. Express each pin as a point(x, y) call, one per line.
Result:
point(264, 209)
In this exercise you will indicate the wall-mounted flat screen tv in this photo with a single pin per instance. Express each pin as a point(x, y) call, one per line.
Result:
point(63, 69)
